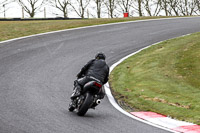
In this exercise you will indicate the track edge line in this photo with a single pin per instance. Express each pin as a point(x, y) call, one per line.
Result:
point(113, 101)
point(84, 27)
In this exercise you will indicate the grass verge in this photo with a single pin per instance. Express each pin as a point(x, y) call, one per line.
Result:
point(164, 78)
point(14, 29)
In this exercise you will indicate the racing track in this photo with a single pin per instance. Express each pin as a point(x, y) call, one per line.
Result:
point(37, 73)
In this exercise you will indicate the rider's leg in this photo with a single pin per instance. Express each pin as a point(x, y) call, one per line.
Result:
point(76, 91)
point(101, 94)
point(78, 84)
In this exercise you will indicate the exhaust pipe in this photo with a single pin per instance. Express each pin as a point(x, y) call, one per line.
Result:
point(98, 101)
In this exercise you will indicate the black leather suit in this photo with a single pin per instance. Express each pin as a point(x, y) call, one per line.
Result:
point(95, 69)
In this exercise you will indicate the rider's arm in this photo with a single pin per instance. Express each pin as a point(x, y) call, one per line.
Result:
point(85, 68)
point(106, 78)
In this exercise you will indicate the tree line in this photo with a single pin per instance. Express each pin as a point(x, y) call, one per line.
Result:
point(112, 8)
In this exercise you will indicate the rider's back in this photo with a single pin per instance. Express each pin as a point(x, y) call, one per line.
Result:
point(98, 69)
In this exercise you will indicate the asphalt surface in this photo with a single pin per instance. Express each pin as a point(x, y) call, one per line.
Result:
point(37, 74)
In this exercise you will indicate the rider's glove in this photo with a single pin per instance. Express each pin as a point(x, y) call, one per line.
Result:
point(78, 75)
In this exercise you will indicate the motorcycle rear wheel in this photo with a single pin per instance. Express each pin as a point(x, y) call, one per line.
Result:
point(85, 105)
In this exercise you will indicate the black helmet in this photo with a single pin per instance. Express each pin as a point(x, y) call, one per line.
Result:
point(100, 55)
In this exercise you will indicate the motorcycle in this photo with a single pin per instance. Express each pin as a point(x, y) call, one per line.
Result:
point(89, 98)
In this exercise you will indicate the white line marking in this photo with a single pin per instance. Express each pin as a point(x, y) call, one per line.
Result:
point(114, 103)
point(136, 21)
point(108, 92)
point(169, 122)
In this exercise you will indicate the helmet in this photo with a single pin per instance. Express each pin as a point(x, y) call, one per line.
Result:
point(100, 55)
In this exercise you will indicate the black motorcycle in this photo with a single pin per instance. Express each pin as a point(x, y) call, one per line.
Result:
point(89, 98)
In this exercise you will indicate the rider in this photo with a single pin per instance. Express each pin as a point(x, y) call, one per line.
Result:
point(96, 69)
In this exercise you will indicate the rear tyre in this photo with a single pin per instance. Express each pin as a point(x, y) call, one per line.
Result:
point(85, 105)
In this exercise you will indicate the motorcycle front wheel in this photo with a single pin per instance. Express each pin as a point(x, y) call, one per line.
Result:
point(71, 107)
point(81, 111)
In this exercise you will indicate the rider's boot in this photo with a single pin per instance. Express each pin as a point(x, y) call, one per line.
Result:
point(76, 93)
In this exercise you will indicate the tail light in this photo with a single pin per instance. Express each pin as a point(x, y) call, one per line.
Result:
point(97, 84)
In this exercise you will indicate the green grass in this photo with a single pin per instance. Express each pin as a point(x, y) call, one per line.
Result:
point(164, 78)
point(14, 29)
